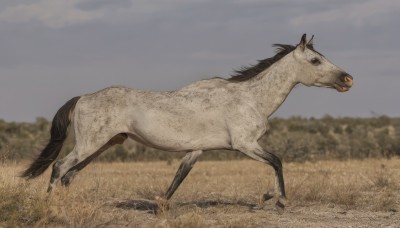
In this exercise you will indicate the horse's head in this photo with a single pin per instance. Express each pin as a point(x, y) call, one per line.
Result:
point(316, 70)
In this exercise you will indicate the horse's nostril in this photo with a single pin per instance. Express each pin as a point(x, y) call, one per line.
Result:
point(347, 80)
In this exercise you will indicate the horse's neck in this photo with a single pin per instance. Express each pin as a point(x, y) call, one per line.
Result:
point(271, 87)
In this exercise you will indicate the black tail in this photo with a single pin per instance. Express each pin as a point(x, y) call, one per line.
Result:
point(58, 133)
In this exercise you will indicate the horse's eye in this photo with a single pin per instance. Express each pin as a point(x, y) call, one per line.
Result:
point(315, 61)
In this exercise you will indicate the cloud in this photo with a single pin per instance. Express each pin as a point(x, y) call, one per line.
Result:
point(51, 13)
point(63, 13)
point(364, 13)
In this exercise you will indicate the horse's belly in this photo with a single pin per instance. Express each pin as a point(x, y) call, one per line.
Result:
point(181, 135)
point(174, 144)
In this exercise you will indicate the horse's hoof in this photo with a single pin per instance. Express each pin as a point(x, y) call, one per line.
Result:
point(263, 198)
point(267, 196)
point(65, 182)
point(162, 204)
point(50, 188)
point(280, 204)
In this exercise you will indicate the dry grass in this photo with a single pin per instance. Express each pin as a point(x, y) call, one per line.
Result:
point(216, 194)
point(19, 204)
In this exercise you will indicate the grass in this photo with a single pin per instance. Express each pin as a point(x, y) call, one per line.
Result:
point(216, 194)
point(20, 205)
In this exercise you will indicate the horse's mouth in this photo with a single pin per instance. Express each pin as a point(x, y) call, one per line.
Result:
point(341, 88)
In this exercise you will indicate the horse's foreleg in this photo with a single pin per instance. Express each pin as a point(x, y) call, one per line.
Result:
point(276, 163)
point(256, 152)
point(184, 169)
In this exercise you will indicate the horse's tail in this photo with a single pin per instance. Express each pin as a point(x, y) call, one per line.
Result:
point(58, 133)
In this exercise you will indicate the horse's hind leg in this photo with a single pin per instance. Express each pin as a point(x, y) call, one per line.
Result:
point(61, 166)
point(67, 178)
point(80, 153)
point(183, 170)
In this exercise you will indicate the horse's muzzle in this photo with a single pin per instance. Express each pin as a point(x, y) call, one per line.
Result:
point(344, 82)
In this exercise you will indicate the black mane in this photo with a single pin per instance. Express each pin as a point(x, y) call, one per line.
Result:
point(245, 73)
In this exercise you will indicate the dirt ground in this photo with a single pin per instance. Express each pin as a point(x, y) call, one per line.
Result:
point(215, 194)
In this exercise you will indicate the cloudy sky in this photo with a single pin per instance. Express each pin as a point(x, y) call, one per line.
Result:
point(52, 50)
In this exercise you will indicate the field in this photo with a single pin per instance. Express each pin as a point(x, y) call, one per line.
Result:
point(354, 193)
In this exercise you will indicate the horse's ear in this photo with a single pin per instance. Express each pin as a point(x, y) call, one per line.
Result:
point(311, 42)
point(303, 42)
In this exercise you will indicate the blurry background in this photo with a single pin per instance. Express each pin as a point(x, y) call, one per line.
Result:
point(53, 50)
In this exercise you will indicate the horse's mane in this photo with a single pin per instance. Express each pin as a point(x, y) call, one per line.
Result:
point(245, 73)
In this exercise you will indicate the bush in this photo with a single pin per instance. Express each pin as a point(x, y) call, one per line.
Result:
point(293, 139)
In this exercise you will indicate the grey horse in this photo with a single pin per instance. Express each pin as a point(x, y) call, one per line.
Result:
point(209, 114)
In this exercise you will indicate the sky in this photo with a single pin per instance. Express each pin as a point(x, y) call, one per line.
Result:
point(53, 50)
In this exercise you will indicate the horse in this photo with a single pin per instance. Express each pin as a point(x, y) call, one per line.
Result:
point(209, 114)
